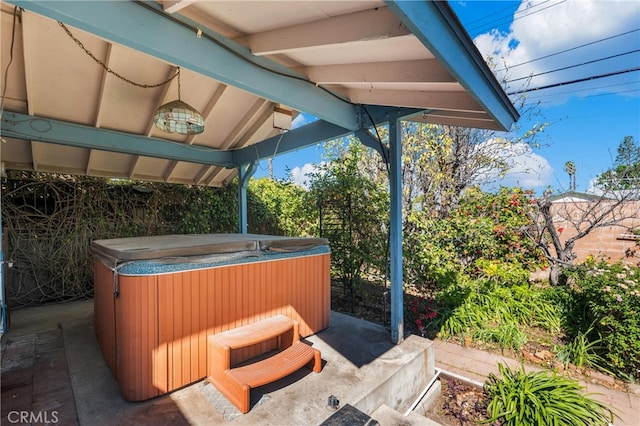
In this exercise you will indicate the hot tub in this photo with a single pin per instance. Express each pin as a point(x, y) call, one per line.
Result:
point(158, 298)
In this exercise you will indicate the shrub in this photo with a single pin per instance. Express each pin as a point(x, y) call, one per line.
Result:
point(540, 398)
point(430, 261)
point(503, 219)
point(424, 314)
point(484, 228)
point(280, 208)
point(353, 215)
point(503, 273)
point(608, 296)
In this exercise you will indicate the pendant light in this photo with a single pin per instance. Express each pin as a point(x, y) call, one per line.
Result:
point(178, 117)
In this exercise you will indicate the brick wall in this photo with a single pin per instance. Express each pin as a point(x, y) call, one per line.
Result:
point(610, 241)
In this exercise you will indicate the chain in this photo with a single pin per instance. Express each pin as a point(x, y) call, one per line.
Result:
point(109, 70)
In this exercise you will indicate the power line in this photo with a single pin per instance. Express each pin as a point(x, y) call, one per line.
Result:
point(580, 80)
point(574, 66)
point(570, 92)
point(597, 95)
point(499, 11)
point(540, 10)
point(502, 21)
point(496, 15)
point(560, 52)
point(570, 49)
point(499, 17)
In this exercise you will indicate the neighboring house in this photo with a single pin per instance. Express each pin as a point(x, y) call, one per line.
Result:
point(613, 241)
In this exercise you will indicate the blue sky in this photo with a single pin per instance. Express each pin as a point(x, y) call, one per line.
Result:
point(587, 120)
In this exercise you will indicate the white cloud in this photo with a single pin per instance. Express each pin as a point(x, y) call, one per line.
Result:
point(302, 119)
point(529, 170)
point(299, 174)
point(526, 168)
point(541, 28)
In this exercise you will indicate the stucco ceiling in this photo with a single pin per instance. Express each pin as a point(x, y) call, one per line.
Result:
point(240, 61)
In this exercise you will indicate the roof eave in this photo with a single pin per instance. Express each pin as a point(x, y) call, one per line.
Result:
point(436, 25)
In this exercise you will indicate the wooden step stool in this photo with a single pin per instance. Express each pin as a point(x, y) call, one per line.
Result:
point(235, 383)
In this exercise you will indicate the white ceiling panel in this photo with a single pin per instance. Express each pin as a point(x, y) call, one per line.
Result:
point(67, 110)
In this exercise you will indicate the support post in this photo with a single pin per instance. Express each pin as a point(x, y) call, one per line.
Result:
point(395, 249)
point(4, 317)
point(245, 172)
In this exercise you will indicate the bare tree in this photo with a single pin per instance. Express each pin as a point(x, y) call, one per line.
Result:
point(580, 218)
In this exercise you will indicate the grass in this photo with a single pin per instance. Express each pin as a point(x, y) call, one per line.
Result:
point(509, 310)
point(507, 335)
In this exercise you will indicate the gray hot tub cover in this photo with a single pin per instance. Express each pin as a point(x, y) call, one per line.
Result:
point(162, 246)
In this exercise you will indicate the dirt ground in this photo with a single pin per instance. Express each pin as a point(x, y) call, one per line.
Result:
point(459, 404)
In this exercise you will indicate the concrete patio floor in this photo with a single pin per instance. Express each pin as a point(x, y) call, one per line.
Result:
point(53, 370)
point(51, 364)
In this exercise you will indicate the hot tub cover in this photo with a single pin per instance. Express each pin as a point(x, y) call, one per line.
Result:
point(162, 246)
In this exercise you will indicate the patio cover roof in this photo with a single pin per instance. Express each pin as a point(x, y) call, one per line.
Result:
point(242, 62)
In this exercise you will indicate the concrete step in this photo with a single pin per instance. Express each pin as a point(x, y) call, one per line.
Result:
point(401, 378)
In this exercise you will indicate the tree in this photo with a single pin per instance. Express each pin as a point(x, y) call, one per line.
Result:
point(354, 213)
point(628, 152)
point(611, 208)
point(625, 175)
point(570, 168)
point(439, 162)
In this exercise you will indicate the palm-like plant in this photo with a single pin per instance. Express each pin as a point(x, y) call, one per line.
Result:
point(538, 398)
point(570, 168)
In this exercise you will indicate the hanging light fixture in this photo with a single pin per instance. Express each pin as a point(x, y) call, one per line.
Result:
point(178, 117)
point(173, 117)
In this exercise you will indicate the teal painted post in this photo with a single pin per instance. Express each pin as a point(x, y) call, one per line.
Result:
point(245, 172)
point(3, 302)
point(395, 188)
